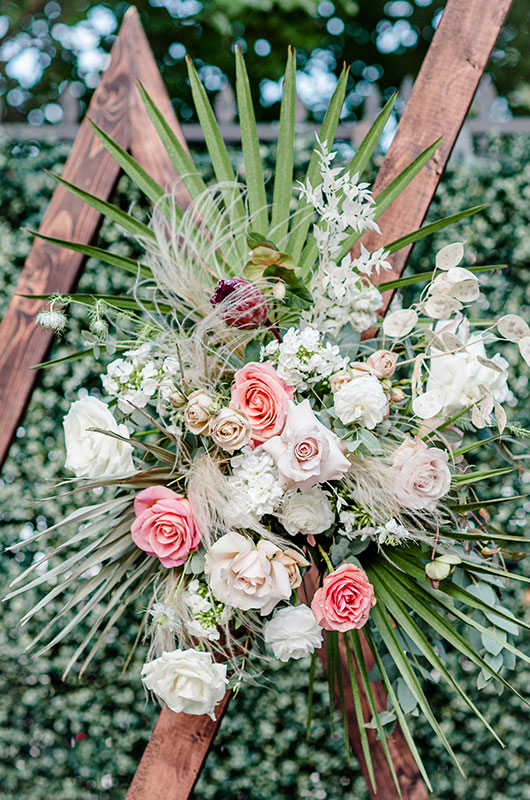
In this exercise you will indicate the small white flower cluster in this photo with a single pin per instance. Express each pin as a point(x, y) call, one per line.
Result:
point(208, 613)
point(349, 523)
point(138, 378)
point(392, 533)
point(302, 358)
point(164, 616)
point(256, 485)
point(341, 203)
point(368, 263)
point(348, 298)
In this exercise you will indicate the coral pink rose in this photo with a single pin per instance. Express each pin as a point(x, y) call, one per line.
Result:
point(345, 599)
point(164, 526)
point(262, 396)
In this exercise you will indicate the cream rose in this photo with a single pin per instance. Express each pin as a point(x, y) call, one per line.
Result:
point(197, 413)
point(382, 363)
point(187, 681)
point(246, 577)
point(293, 632)
point(338, 380)
point(230, 429)
point(91, 454)
point(306, 452)
point(362, 400)
point(424, 476)
point(308, 512)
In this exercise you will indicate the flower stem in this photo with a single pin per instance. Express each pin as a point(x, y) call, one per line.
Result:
point(326, 558)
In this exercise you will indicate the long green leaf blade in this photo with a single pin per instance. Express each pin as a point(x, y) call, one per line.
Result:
point(115, 260)
point(424, 277)
point(257, 198)
point(114, 213)
point(433, 227)
point(152, 190)
point(368, 144)
point(304, 211)
point(357, 706)
point(283, 178)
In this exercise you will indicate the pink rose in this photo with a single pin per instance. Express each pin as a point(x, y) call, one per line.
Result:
point(344, 600)
point(262, 396)
point(424, 475)
point(306, 452)
point(164, 526)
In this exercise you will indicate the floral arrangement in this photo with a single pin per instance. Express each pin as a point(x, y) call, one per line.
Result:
point(275, 466)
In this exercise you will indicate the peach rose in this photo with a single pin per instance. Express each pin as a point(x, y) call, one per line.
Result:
point(243, 576)
point(382, 363)
point(306, 453)
point(344, 600)
point(262, 396)
point(424, 475)
point(230, 429)
point(197, 413)
point(164, 526)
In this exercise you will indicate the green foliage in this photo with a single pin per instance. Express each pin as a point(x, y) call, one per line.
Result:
point(40, 715)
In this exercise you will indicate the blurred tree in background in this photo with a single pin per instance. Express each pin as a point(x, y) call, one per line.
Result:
point(45, 44)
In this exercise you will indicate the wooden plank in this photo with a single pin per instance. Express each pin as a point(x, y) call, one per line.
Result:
point(174, 756)
point(439, 102)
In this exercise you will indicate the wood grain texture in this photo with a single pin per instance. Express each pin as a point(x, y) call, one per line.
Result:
point(440, 99)
point(174, 755)
point(115, 107)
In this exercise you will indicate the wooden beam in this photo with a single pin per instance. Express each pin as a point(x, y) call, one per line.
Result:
point(437, 107)
point(174, 756)
point(115, 107)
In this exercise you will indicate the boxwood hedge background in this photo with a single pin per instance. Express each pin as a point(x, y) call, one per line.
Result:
point(82, 739)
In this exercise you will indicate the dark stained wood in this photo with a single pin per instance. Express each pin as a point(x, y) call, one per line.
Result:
point(440, 99)
point(174, 756)
point(438, 105)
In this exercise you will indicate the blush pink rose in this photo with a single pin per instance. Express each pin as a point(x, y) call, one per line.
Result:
point(344, 600)
point(164, 526)
point(262, 396)
point(423, 477)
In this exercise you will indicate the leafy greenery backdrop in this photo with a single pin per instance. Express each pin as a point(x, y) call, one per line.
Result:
point(84, 739)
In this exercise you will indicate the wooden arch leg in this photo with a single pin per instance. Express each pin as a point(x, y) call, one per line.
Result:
point(437, 107)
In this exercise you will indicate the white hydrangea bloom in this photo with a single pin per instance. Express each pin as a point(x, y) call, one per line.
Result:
point(303, 359)
point(255, 480)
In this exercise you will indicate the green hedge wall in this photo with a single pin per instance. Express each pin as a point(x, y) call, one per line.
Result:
point(82, 739)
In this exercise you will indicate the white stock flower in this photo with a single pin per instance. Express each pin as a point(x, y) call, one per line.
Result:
point(90, 454)
point(361, 400)
point(307, 512)
point(302, 358)
point(187, 681)
point(293, 632)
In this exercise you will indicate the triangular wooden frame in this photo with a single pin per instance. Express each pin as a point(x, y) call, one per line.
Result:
point(437, 107)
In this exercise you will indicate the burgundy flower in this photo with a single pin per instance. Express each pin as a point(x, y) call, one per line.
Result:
point(240, 303)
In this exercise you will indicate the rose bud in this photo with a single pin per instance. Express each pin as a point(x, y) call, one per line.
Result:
point(240, 304)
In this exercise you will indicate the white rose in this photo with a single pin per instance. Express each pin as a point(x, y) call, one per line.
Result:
point(246, 577)
point(309, 512)
point(187, 681)
point(293, 632)
point(306, 452)
point(361, 400)
point(458, 379)
point(90, 454)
